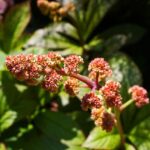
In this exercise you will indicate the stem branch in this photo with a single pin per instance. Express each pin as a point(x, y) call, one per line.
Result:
point(119, 126)
point(79, 77)
point(125, 105)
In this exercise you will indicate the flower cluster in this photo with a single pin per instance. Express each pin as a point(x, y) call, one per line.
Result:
point(71, 64)
point(51, 81)
point(72, 86)
point(90, 100)
point(24, 67)
point(100, 68)
point(54, 9)
point(103, 118)
point(139, 95)
point(111, 94)
point(49, 70)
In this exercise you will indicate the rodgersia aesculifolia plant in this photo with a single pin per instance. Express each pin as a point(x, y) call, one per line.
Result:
point(104, 99)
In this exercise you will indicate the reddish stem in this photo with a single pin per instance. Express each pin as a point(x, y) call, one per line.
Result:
point(97, 81)
point(79, 77)
point(83, 79)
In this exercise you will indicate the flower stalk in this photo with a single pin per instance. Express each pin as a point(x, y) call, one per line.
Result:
point(119, 127)
point(125, 105)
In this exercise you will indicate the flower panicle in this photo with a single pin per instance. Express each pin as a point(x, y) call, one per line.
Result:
point(49, 69)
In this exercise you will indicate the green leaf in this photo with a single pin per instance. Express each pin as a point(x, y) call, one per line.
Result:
point(94, 14)
point(127, 73)
point(140, 136)
point(99, 139)
point(2, 60)
point(14, 24)
point(21, 99)
point(3, 103)
point(129, 147)
point(61, 36)
point(113, 44)
point(132, 33)
point(53, 130)
point(7, 120)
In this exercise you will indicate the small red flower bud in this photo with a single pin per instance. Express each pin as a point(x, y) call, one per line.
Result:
point(100, 66)
point(71, 64)
point(72, 86)
point(139, 95)
point(90, 100)
point(103, 119)
point(111, 94)
point(51, 81)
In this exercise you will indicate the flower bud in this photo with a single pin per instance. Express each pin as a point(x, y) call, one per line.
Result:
point(139, 95)
point(71, 64)
point(100, 66)
point(90, 100)
point(111, 94)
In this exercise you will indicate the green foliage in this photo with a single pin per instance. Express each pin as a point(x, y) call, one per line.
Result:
point(13, 26)
point(52, 130)
point(140, 135)
point(7, 119)
point(99, 139)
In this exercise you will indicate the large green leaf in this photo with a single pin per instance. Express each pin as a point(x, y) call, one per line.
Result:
point(99, 139)
point(88, 16)
point(61, 36)
point(19, 98)
point(53, 130)
point(94, 14)
point(140, 136)
point(127, 73)
point(14, 24)
point(132, 33)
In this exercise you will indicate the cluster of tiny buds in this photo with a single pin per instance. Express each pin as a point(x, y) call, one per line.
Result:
point(51, 69)
point(139, 95)
point(103, 118)
point(55, 9)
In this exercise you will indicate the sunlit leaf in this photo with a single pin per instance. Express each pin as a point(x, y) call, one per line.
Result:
point(7, 119)
point(14, 24)
point(140, 136)
point(99, 139)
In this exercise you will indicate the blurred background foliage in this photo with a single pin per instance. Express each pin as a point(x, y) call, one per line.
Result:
point(34, 119)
